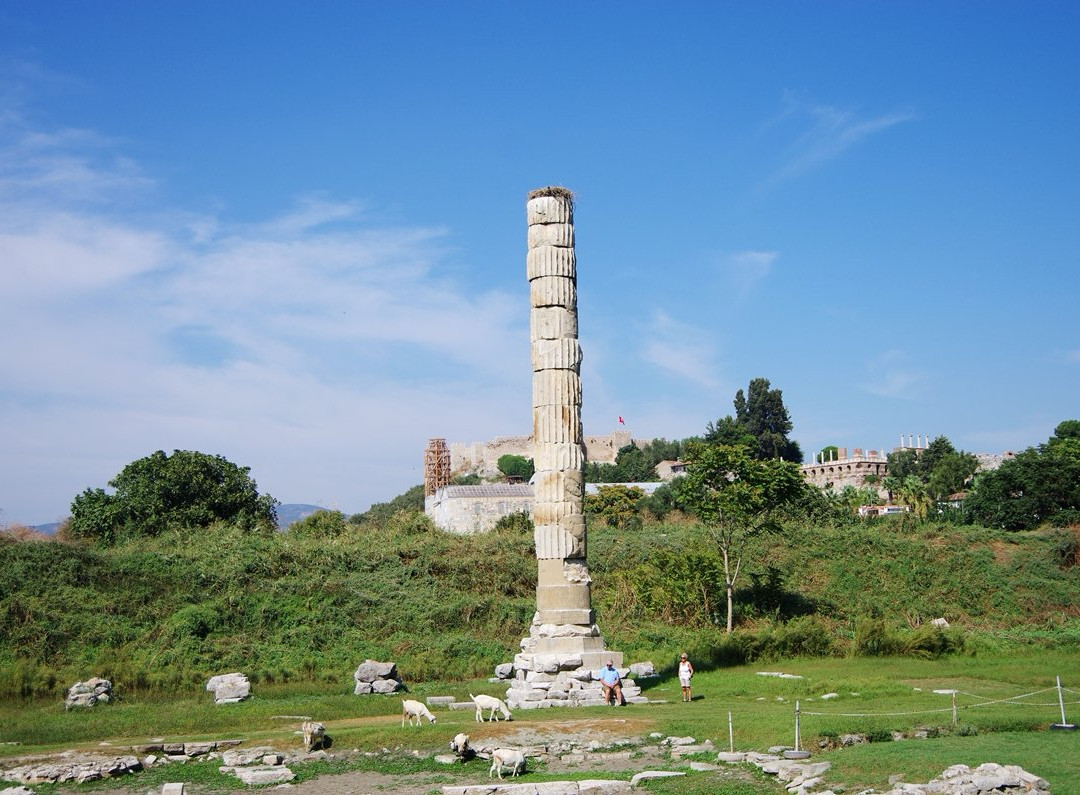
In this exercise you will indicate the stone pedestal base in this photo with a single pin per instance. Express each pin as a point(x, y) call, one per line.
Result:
point(559, 666)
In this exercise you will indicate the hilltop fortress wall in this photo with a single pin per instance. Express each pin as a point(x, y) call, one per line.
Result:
point(483, 457)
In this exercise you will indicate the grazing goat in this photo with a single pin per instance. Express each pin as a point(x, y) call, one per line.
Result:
point(414, 709)
point(507, 757)
point(491, 704)
point(314, 734)
point(460, 746)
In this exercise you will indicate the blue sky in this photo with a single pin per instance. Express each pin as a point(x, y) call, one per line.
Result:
point(293, 234)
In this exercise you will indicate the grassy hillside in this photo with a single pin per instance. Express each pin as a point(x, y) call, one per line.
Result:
point(167, 612)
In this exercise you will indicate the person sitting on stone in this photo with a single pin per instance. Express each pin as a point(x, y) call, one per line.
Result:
point(609, 678)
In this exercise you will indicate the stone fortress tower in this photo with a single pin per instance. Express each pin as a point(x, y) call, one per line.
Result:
point(564, 645)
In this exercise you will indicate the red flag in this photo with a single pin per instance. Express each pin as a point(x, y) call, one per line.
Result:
point(621, 420)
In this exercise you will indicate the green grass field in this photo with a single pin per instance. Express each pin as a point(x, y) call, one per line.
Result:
point(874, 697)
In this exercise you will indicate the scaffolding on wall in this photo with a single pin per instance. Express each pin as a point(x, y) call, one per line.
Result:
point(436, 466)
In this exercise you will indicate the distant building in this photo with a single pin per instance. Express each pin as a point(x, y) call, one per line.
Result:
point(882, 510)
point(849, 470)
point(669, 470)
point(476, 509)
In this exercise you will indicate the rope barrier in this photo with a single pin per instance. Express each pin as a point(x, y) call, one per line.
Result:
point(986, 702)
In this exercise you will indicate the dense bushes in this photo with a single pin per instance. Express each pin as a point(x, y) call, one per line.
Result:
point(309, 604)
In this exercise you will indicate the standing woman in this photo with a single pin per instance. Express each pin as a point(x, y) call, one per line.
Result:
point(686, 673)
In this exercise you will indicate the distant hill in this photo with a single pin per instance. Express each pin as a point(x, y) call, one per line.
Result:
point(286, 515)
point(294, 512)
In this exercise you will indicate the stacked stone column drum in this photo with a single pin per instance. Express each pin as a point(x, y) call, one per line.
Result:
point(564, 643)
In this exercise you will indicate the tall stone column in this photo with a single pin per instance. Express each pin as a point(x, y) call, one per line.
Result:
point(564, 640)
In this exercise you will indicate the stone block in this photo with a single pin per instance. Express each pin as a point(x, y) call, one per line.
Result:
point(552, 323)
point(362, 689)
point(560, 424)
point(549, 513)
point(370, 670)
point(560, 354)
point(553, 291)
point(173, 788)
point(258, 776)
point(558, 456)
point(554, 543)
point(557, 486)
point(385, 686)
point(549, 210)
point(648, 775)
point(551, 235)
point(198, 749)
point(550, 261)
point(229, 688)
point(602, 786)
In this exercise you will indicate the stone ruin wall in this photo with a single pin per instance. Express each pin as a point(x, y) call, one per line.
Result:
point(483, 457)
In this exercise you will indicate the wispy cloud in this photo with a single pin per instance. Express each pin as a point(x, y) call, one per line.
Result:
point(746, 268)
point(891, 375)
point(680, 349)
point(315, 347)
point(1073, 356)
point(824, 133)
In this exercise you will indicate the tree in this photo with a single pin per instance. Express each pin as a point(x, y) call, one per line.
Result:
point(939, 467)
point(516, 466)
point(1041, 484)
point(185, 490)
point(737, 496)
point(761, 422)
point(828, 453)
point(617, 505)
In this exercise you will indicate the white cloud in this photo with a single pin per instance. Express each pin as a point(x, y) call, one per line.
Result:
point(827, 132)
point(315, 348)
point(891, 375)
point(746, 268)
point(680, 349)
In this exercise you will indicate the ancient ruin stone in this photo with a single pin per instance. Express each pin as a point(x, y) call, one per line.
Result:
point(229, 688)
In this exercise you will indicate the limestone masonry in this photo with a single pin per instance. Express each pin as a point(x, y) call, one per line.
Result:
point(564, 641)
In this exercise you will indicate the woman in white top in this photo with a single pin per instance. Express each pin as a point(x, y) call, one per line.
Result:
point(686, 672)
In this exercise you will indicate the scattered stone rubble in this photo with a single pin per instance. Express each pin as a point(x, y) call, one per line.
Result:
point(229, 688)
point(73, 767)
point(804, 777)
point(377, 677)
point(559, 680)
point(264, 765)
point(90, 693)
point(986, 779)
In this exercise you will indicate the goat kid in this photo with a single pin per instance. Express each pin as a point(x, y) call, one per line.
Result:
point(489, 703)
point(414, 709)
point(460, 746)
point(507, 757)
point(314, 734)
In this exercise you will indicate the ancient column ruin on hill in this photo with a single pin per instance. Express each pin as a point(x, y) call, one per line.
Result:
point(564, 641)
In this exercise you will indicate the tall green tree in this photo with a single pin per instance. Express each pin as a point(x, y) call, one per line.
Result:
point(185, 490)
point(1041, 484)
point(516, 466)
point(761, 422)
point(737, 496)
point(939, 467)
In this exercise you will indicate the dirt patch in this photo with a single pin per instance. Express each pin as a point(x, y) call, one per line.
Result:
point(1003, 552)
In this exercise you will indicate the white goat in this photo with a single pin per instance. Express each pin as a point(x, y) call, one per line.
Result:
point(314, 734)
point(414, 709)
point(460, 746)
point(507, 757)
point(491, 704)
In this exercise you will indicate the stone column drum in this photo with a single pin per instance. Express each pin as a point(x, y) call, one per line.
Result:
point(564, 636)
